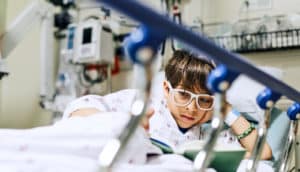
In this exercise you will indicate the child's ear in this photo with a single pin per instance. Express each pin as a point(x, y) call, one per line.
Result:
point(166, 88)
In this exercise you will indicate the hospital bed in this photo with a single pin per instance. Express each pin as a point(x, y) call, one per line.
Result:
point(17, 144)
point(74, 144)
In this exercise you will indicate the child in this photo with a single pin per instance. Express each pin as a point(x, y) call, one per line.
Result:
point(186, 106)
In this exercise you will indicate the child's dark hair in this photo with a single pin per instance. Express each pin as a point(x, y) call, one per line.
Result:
point(186, 69)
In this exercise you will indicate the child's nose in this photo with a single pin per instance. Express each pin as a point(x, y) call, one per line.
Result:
point(193, 104)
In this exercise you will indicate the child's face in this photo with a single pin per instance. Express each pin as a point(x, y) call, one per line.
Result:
point(188, 113)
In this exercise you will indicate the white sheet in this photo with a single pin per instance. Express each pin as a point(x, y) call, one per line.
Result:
point(74, 145)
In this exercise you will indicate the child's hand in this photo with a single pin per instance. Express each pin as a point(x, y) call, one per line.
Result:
point(145, 120)
point(84, 112)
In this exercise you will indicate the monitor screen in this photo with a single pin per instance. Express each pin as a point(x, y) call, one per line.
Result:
point(87, 35)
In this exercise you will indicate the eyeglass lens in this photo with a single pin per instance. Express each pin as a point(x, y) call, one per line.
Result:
point(183, 97)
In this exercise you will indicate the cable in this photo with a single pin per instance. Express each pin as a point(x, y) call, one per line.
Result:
point(292, 169)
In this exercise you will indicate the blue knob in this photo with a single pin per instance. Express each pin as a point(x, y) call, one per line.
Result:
point(220, 79)
point(293, 111)
point(267, 98)
point(142, 44)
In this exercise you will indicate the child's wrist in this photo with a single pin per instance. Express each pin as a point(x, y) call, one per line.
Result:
point(231, 117)
point(246, 132)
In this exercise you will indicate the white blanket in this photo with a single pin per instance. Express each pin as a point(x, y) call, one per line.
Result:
point(74, 145)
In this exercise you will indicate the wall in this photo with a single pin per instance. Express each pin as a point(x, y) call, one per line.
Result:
point(2, 15)
point(231, 10)
point(2, 26)
point(219, 11)
point(20, 91)
point(288, 61)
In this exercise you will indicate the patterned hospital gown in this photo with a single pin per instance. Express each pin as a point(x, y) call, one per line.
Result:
point(163, 127)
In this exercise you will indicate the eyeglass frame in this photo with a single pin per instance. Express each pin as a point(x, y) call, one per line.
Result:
point(193, 95)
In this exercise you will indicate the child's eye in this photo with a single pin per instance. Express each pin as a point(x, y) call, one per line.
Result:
point(205, 100)
point(184, 94)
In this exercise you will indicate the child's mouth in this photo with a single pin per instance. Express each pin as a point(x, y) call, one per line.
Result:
point(187, 118)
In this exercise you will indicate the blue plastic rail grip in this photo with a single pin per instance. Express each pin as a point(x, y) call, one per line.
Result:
point(160, 23)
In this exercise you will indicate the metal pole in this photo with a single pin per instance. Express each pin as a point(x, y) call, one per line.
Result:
point(260, 141)
point(114, 147)
point(204, 157)
point(297, 144)
point(283, 164)
point(47, 56)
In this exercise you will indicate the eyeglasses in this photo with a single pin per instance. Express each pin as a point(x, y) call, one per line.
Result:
point(183, 97)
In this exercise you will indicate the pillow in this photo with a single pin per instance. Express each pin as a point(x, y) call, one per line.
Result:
point(242, 95)
point(244, 90)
